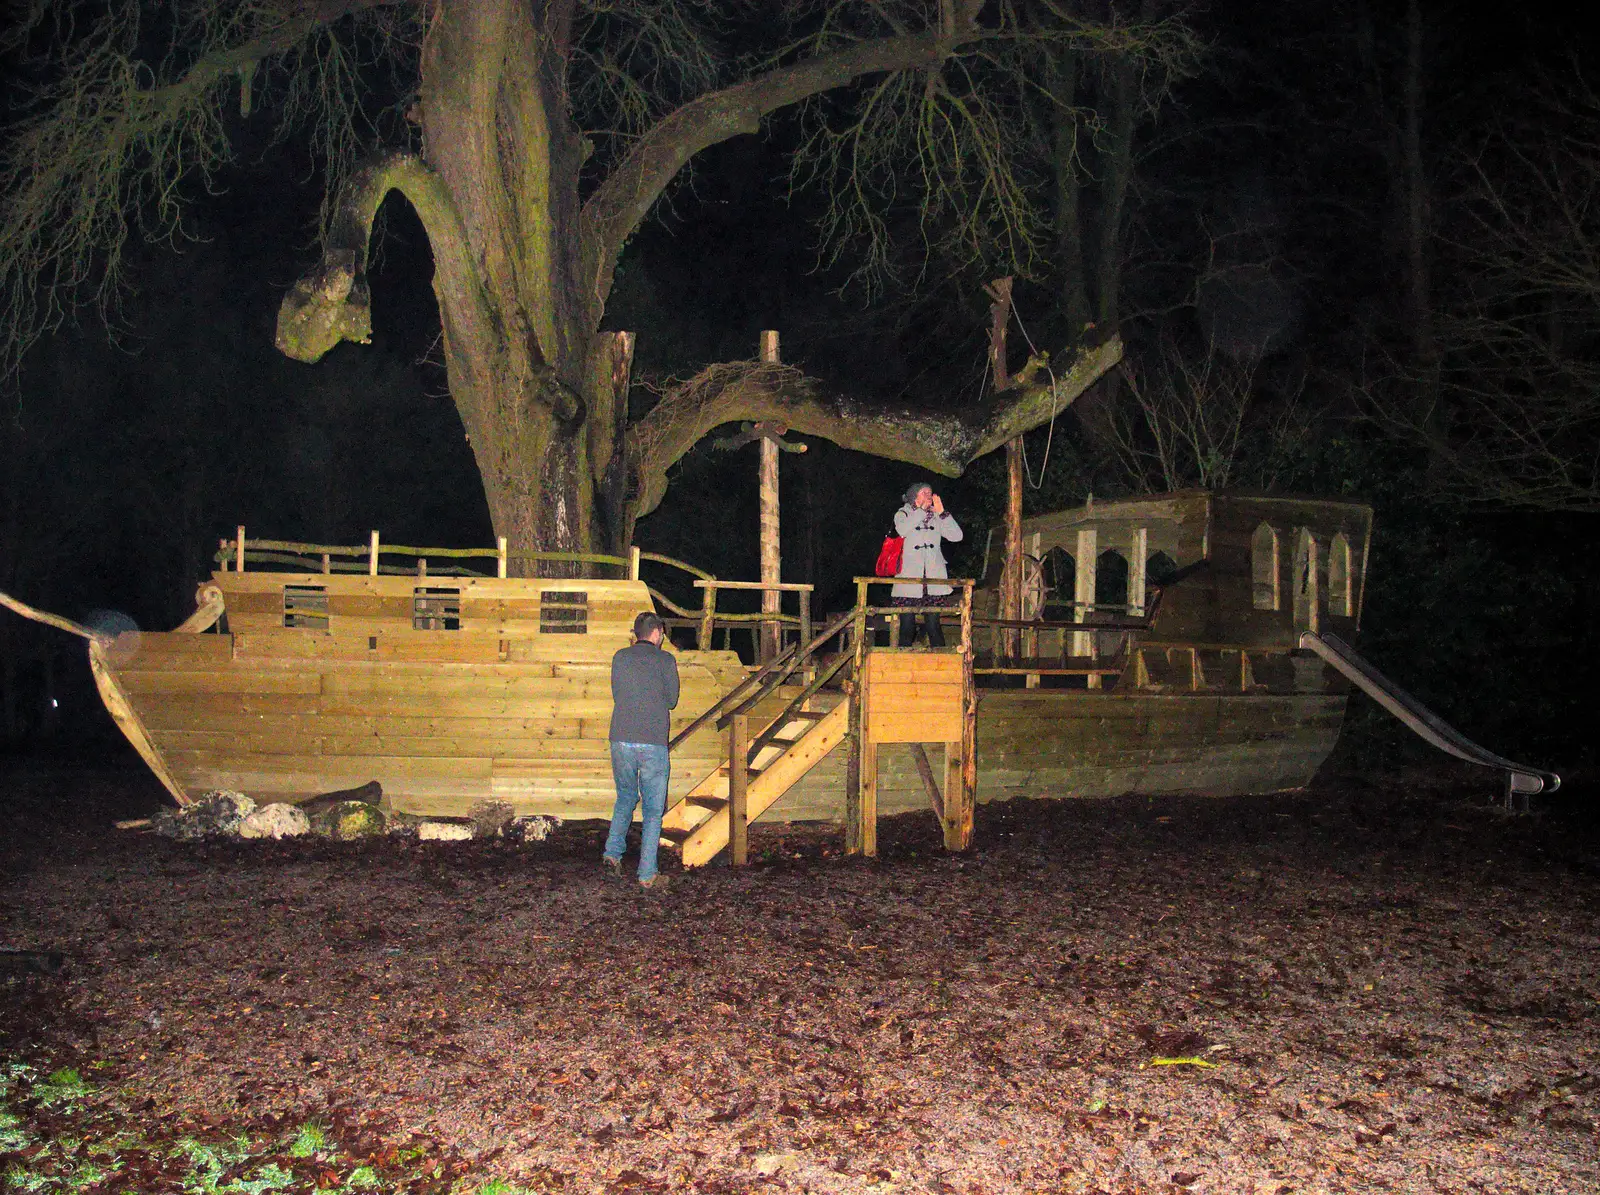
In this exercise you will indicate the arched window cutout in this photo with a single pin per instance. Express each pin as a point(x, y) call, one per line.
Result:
point(1110, 579)
point(1264, 568)
point(1160, 568)
point(1307, 581)
point(1340, 596)
point(1060, 578)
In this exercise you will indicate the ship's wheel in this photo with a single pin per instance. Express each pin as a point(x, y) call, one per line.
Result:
point(1032, 587)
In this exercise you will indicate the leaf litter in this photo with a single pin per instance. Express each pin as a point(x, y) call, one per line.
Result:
point(1129, 995)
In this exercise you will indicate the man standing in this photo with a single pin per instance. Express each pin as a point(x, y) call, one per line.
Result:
point(644, 690)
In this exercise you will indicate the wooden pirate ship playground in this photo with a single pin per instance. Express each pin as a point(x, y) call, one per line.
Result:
point(1217, 662)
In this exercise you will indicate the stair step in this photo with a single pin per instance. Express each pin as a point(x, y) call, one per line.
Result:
point(785, 759)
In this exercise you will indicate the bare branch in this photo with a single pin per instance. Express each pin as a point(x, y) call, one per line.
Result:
point(106, 147)
point(941, 443)
point(1517, 416)
point(627, 195)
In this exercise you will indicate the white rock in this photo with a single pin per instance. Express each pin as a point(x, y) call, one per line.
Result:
point(275, 821)
point(444, 832)
point(535, 828)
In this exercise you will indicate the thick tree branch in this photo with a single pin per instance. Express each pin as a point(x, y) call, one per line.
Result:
point(625, 198)
point(332, 302)
point(106, 145)
point(941, 443)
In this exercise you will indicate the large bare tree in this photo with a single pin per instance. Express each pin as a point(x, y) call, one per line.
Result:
point(531, 137)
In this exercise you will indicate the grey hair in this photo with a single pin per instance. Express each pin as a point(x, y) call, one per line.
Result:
point(916, 488)
point(647, 624)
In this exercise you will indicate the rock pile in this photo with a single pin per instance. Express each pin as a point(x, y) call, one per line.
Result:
point(231, 814)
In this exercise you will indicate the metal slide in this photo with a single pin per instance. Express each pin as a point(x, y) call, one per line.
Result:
point(1520, 779)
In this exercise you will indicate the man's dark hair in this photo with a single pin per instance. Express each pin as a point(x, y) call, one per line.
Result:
point(648, 624)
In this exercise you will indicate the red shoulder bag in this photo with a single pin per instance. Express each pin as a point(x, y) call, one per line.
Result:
point(889, 556)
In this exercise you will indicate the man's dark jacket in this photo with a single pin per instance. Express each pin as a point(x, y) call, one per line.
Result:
point(644, 690)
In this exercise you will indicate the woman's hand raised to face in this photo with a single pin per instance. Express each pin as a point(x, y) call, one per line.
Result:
point(938, 504)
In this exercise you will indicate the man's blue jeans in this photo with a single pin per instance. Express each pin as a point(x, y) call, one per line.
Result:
point(641, 771)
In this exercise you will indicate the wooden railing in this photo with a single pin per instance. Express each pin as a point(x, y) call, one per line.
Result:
point(239, 553)
point(769, 676)
point(377, 558)
point(1088, 662)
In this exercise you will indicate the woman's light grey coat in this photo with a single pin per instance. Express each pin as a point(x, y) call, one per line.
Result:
point(922, 557)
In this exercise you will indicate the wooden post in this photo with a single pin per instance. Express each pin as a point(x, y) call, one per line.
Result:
point(238, 557)
point(771, 556)
point(422, 568)
point(952, 789)
point(327, 563)
point(1030, 639)
point(861, 814)
point(1008, 642)
point(633, 564)
point(738, 787)
point(1138, 565)
point(861, 625)
point(959, 805)
point(807, 671)
point(501, 558)
point(852, 769)
point(372, 556)
point(869, 793)
point(1083, 585)
point(708, 615)
point(853, 807)
point(919, 756)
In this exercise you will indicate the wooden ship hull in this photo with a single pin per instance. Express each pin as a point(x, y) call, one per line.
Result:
point(453, 690)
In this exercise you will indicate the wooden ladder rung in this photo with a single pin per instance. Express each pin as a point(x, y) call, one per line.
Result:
point(706, 802)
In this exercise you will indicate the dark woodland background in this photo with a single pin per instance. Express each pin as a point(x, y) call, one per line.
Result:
point(1266, 238)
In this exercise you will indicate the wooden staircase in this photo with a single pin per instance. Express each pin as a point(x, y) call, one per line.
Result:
point(898, 696)
point(698, 825)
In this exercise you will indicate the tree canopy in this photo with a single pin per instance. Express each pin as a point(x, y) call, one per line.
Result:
point(532, 137)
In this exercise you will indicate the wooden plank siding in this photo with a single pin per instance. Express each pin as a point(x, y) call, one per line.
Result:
point(494, 706)
point(498, 708)
point(1078, 743)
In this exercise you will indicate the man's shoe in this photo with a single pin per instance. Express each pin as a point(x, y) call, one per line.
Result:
point(655, 883)
point(613, 866)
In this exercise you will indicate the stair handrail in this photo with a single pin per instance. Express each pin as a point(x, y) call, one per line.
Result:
point(767, 736)
point(783, 664)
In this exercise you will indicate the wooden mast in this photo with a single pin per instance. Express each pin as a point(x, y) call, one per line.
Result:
point(771, 557)
point(999, 292)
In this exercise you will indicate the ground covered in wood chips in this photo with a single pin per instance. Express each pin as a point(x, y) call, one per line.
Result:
point(1365, 987)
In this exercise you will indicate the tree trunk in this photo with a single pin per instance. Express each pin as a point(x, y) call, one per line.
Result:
point(1069, 263)
point(523, 269)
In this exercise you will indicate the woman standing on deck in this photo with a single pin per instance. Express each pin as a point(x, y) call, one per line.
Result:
point(924, 524)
